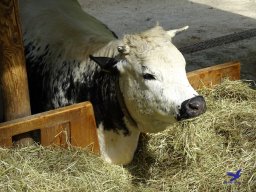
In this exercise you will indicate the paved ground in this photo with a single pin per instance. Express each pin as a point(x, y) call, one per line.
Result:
point(207, 19)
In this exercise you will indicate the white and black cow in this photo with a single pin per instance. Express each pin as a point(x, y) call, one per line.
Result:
point(136, 84)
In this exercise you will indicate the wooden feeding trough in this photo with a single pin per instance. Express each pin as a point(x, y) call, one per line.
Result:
point(74, 124)
point(210, 76)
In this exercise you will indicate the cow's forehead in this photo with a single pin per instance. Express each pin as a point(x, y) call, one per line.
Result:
point(148, 40)
point(152, 48)
point(165, 61)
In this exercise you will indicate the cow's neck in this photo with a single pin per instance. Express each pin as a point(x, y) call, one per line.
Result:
point(124, 109)
point(118, 136)
point(101, 90)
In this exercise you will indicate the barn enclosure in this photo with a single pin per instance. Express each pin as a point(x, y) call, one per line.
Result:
point(52, 125)
point(193, 155)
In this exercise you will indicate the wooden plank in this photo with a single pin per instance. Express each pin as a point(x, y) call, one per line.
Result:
point(214, 75)
point(80, 117)
point(82, 130)
point(56, 135)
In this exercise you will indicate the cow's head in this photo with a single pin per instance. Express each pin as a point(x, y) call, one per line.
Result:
point(153, 81)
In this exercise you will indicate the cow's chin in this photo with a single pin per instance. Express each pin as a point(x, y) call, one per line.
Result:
point(155, 125)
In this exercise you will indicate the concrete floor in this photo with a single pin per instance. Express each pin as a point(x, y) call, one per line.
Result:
point(207, 19)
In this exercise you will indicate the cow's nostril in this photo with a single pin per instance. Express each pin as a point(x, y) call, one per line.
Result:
point(192, 107)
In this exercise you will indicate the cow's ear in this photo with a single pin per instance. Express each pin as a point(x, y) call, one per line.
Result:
point(173, 32)
point(107, 64)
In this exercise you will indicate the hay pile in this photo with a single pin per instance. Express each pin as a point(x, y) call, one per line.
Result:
point(192, 155)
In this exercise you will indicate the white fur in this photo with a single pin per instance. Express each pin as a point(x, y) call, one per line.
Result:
point(117, 148)
point(153, 104)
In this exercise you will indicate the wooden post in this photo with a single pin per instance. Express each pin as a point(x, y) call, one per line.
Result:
point(13, 76)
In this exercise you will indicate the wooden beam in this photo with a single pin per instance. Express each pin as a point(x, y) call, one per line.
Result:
point(214, 75)
point(73, 124)
point(13, 76)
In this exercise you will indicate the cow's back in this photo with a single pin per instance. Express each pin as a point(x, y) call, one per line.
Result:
point(58, 37)
point(62, 24)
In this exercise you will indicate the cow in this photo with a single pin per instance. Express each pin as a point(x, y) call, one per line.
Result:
point(136, 83)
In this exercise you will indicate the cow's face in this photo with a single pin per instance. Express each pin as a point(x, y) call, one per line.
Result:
point(153, 82)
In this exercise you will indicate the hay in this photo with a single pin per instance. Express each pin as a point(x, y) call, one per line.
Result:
point(193, 155)
point(37, 168)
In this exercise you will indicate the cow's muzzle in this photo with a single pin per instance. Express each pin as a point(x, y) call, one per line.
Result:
point(192, 108)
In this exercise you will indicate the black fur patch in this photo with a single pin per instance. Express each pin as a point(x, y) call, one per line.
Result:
point(96, 86)
point(35, 67)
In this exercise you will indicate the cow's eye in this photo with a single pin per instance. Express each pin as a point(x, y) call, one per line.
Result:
point(148, 76)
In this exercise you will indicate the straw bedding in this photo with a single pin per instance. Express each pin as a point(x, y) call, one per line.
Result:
point(193, 155)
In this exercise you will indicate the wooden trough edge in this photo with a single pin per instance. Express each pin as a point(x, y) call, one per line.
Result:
point(75, 124)
point(213, 75)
